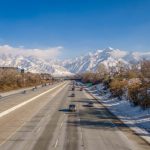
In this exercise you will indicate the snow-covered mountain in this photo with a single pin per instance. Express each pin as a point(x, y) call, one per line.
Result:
point(109, 57)
point(33, 64)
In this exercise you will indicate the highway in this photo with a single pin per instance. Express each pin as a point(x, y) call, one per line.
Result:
point(40, 120)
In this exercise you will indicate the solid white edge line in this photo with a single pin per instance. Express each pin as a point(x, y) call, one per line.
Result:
point(26, 102)
point(17, 129)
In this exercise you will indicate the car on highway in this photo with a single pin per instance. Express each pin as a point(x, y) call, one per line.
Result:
point(33, 89)
point(73, 95)
point(73, 88)
point(72, 107)
point(90, 104)
point(81, 89)
point(24, 92)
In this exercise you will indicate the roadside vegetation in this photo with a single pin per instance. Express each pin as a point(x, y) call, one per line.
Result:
point(132, 82)
point(11, 79)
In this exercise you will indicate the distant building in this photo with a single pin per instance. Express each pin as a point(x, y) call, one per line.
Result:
point(12, 69)
point(9, 68)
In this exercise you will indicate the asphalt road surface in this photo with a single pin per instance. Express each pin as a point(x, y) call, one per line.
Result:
point(43, 122)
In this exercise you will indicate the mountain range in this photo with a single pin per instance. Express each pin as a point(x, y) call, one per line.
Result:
point(90, 61)
point(109, 57)
point(33, 64)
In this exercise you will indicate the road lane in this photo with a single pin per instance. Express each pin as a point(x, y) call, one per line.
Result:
point(46, 136)
point(97, 128)
point(17, 106)
point(52, 127)
point(102, 130)
point(71, 139)
point(13, 100)
point(22, 116)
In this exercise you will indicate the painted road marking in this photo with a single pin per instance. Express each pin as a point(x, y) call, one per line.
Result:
point(38, 129)
point(61, 124)
point(26, 102)
point(21, 125)
point(56, 143)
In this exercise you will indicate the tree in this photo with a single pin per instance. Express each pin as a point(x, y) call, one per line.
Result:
point(145, 68)
point(117, 87)
point(101, 71)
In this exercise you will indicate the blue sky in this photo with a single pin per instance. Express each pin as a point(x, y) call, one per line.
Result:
point(78, 26)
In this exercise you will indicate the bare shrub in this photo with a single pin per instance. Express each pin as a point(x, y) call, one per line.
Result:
point(117, 87)
point(11, 79)
point(133, 90)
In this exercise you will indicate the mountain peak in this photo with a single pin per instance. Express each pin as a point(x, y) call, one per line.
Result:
point(109, 49)
point(33, 64)
point(106, 56)
point(87, 62)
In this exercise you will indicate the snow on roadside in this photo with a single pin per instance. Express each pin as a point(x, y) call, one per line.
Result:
point(135, 117)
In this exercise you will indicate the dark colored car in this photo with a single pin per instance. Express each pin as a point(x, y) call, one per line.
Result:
point(73, 88)
point(72, 107)
point(72, 95)
point(90, 104)
point(81, 89)
point(24, 92)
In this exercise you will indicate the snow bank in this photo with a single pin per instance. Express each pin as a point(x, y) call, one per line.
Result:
point(134, 117)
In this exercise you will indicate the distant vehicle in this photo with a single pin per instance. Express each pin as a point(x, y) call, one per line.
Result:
point(90, 104)
point(35, 88)
point(24, 92)
point(73, 95)
point(73, 88)
point(72, 107)
point(81, 89)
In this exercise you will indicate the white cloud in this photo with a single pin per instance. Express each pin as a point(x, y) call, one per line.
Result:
point(40, 53)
